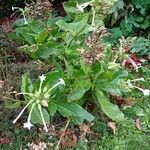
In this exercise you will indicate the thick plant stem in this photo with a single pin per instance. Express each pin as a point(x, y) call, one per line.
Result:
point(67, 124)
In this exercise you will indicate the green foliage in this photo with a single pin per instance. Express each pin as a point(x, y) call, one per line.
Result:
point(69, 44)
point(126, 138)
point(111, 110)
point(141, 46)
point(55, 100)
point(135, 13)
point(128, 19)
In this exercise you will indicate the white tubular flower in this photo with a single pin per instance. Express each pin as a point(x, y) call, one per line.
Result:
point(139, 79)
point(28, 124)
point(92, 26)
point(22, 111)
point(24, 93)
point(42, 78)
point(25, 21)
point(14, 8)
point(43, 120)
point(146, 92)
point(61, 81)
point(82, 6)
point(44, 103)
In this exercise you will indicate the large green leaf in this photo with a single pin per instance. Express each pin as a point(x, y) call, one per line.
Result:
point(42, 36)
point(111, 81)
point(111, 110)
point(80, 86)
point(27, 86)
point(76, 94)
point(25, 35)
point(75, 111)
point(86, 68)
point(84, 83)
point(36, 116)
point(69, 69)
point(52, 108)
point(75, 27)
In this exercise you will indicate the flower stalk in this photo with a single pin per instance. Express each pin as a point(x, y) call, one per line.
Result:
point(20, 114)
point(28, 124)
point(43, 120)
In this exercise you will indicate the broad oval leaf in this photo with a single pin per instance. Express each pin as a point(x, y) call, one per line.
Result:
point(27, 86)
point(111, 82)
point(111, 110)
point(36, 116)
point(75, 94)
point(75, 111)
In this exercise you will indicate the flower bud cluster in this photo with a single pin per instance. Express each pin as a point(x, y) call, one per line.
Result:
point(40, 9)
point(96, 46)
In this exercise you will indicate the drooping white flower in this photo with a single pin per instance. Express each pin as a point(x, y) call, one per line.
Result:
point(139, 79)
point(28, 125)
point(62, 81)
point(14, 8)
point(82, 6)
point(146, 92)
point(42, 78)
point(22, 111)
point(43, 120)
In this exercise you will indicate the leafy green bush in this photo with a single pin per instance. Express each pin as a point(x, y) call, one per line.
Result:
point(91, 70)
point(130, 19)
point(142, 46)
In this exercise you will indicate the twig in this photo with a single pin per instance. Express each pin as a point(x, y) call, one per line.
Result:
point(62, 135)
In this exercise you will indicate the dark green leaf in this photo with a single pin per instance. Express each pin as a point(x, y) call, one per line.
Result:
point(74, 111)
point(75, 94)
point(52, 108)
point(27, 86)
point(11, 105)
point(36, 116)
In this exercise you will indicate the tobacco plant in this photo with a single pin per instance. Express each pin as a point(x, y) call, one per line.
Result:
point(86, 67)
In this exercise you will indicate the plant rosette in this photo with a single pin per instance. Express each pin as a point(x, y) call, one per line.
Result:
point(40, 98)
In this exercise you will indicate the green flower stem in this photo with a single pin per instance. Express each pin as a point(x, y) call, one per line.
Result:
point(29, 117)
point(62, 135)
point(43, 120)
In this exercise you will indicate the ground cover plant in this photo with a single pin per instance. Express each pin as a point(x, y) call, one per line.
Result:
point(92, 90)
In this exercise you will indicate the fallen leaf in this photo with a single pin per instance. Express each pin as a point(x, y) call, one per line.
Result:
point(138, 123)
point(112, 125)
point(1, 84)
point(69, 139)
point(85, 128)
point(4, 140)
point(120, 101)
